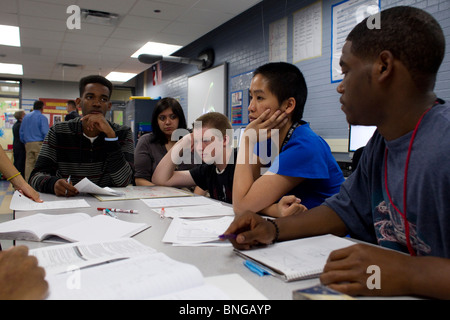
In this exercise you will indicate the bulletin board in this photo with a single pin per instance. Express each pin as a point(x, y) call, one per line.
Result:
point(240, 98)
point(55, 110)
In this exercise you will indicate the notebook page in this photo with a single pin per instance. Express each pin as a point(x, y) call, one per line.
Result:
point(301, 258)
point(100, 228)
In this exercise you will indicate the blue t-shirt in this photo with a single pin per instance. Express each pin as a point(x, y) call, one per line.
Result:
point(363, 203)
point(307, 155)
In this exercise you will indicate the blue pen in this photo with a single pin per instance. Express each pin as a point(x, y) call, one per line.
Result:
point(256, 268)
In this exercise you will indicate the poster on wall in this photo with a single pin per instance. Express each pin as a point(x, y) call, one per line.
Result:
point(241, 83)
point(278, 40)
point(237, 107)
point(54, 109)
point(345, 16)
point(308, 32)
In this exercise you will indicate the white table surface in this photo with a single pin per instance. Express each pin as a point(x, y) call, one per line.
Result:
point(211, 261)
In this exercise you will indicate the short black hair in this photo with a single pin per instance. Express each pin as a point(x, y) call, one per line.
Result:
point(161, 106)
point(38, 105)
point(95, 79)
point(72, 103)
point(286, 81)
point(412, 35)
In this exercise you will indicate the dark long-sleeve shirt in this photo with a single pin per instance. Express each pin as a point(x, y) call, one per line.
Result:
point(67, 152)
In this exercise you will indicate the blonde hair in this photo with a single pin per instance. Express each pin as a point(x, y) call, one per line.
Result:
point(19, 115)
point(215, 120)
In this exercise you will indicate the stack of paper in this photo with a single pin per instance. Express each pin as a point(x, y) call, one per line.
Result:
point(197, 221)
point(205, 211)
point(199, 232)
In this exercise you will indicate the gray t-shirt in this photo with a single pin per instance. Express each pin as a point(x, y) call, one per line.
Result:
point(363, 203)
point(147, 156)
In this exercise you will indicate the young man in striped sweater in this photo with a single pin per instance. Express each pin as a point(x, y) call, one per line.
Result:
point(90, 146)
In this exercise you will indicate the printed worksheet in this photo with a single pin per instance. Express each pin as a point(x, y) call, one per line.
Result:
point(20, 202)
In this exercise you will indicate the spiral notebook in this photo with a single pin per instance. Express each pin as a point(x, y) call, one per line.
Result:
point(297, 259)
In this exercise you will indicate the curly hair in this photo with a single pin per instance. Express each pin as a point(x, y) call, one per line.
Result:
point(412, 35)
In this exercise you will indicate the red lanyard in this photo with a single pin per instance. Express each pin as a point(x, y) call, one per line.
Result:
point(403, 215)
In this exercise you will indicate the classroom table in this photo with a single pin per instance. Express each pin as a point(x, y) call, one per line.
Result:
point(211, 261)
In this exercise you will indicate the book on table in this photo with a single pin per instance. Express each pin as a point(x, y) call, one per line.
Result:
point(122, 269)
point(71, 227)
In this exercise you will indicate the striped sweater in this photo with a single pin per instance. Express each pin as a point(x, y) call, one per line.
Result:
point(67, 152)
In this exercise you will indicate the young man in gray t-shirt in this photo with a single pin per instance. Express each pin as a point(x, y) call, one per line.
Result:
point(398, 198)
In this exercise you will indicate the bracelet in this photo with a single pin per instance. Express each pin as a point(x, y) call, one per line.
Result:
point(16, 175)
point(277, 230)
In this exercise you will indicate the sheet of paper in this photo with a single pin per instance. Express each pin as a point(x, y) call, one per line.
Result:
point(212, 210)
point(132, 193)
point(87, 186)
point(201, 231)
point(178, 202)
point(21, 203)
point(67, 257)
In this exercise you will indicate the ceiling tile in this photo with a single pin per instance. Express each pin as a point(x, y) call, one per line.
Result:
point(46, 40)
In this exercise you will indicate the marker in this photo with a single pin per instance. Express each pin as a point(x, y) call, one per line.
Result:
point(118, 210)
point(108, 212)
point(162, 214)
point(256, 268)
point(228, 237)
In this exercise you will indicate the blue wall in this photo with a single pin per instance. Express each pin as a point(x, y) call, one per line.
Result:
point(243, 43)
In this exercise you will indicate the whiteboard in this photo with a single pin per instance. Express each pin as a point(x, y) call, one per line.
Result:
point(207, 92)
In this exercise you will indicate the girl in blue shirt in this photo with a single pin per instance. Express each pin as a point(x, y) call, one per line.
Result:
point(304, 166)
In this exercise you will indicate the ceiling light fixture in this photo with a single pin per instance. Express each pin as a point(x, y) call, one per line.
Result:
point(120, 76)
point(157, 48)
point(9, 68)
point(9, 36)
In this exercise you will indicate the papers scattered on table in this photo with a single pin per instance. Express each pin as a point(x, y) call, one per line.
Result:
point(201, 232)
point(87, 186)
point(145, 274)
point(22, 203)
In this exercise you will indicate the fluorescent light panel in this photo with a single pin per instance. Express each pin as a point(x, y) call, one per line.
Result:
point(120, 76)
point(157, 48)
point(9, 68)
point(9, 36)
